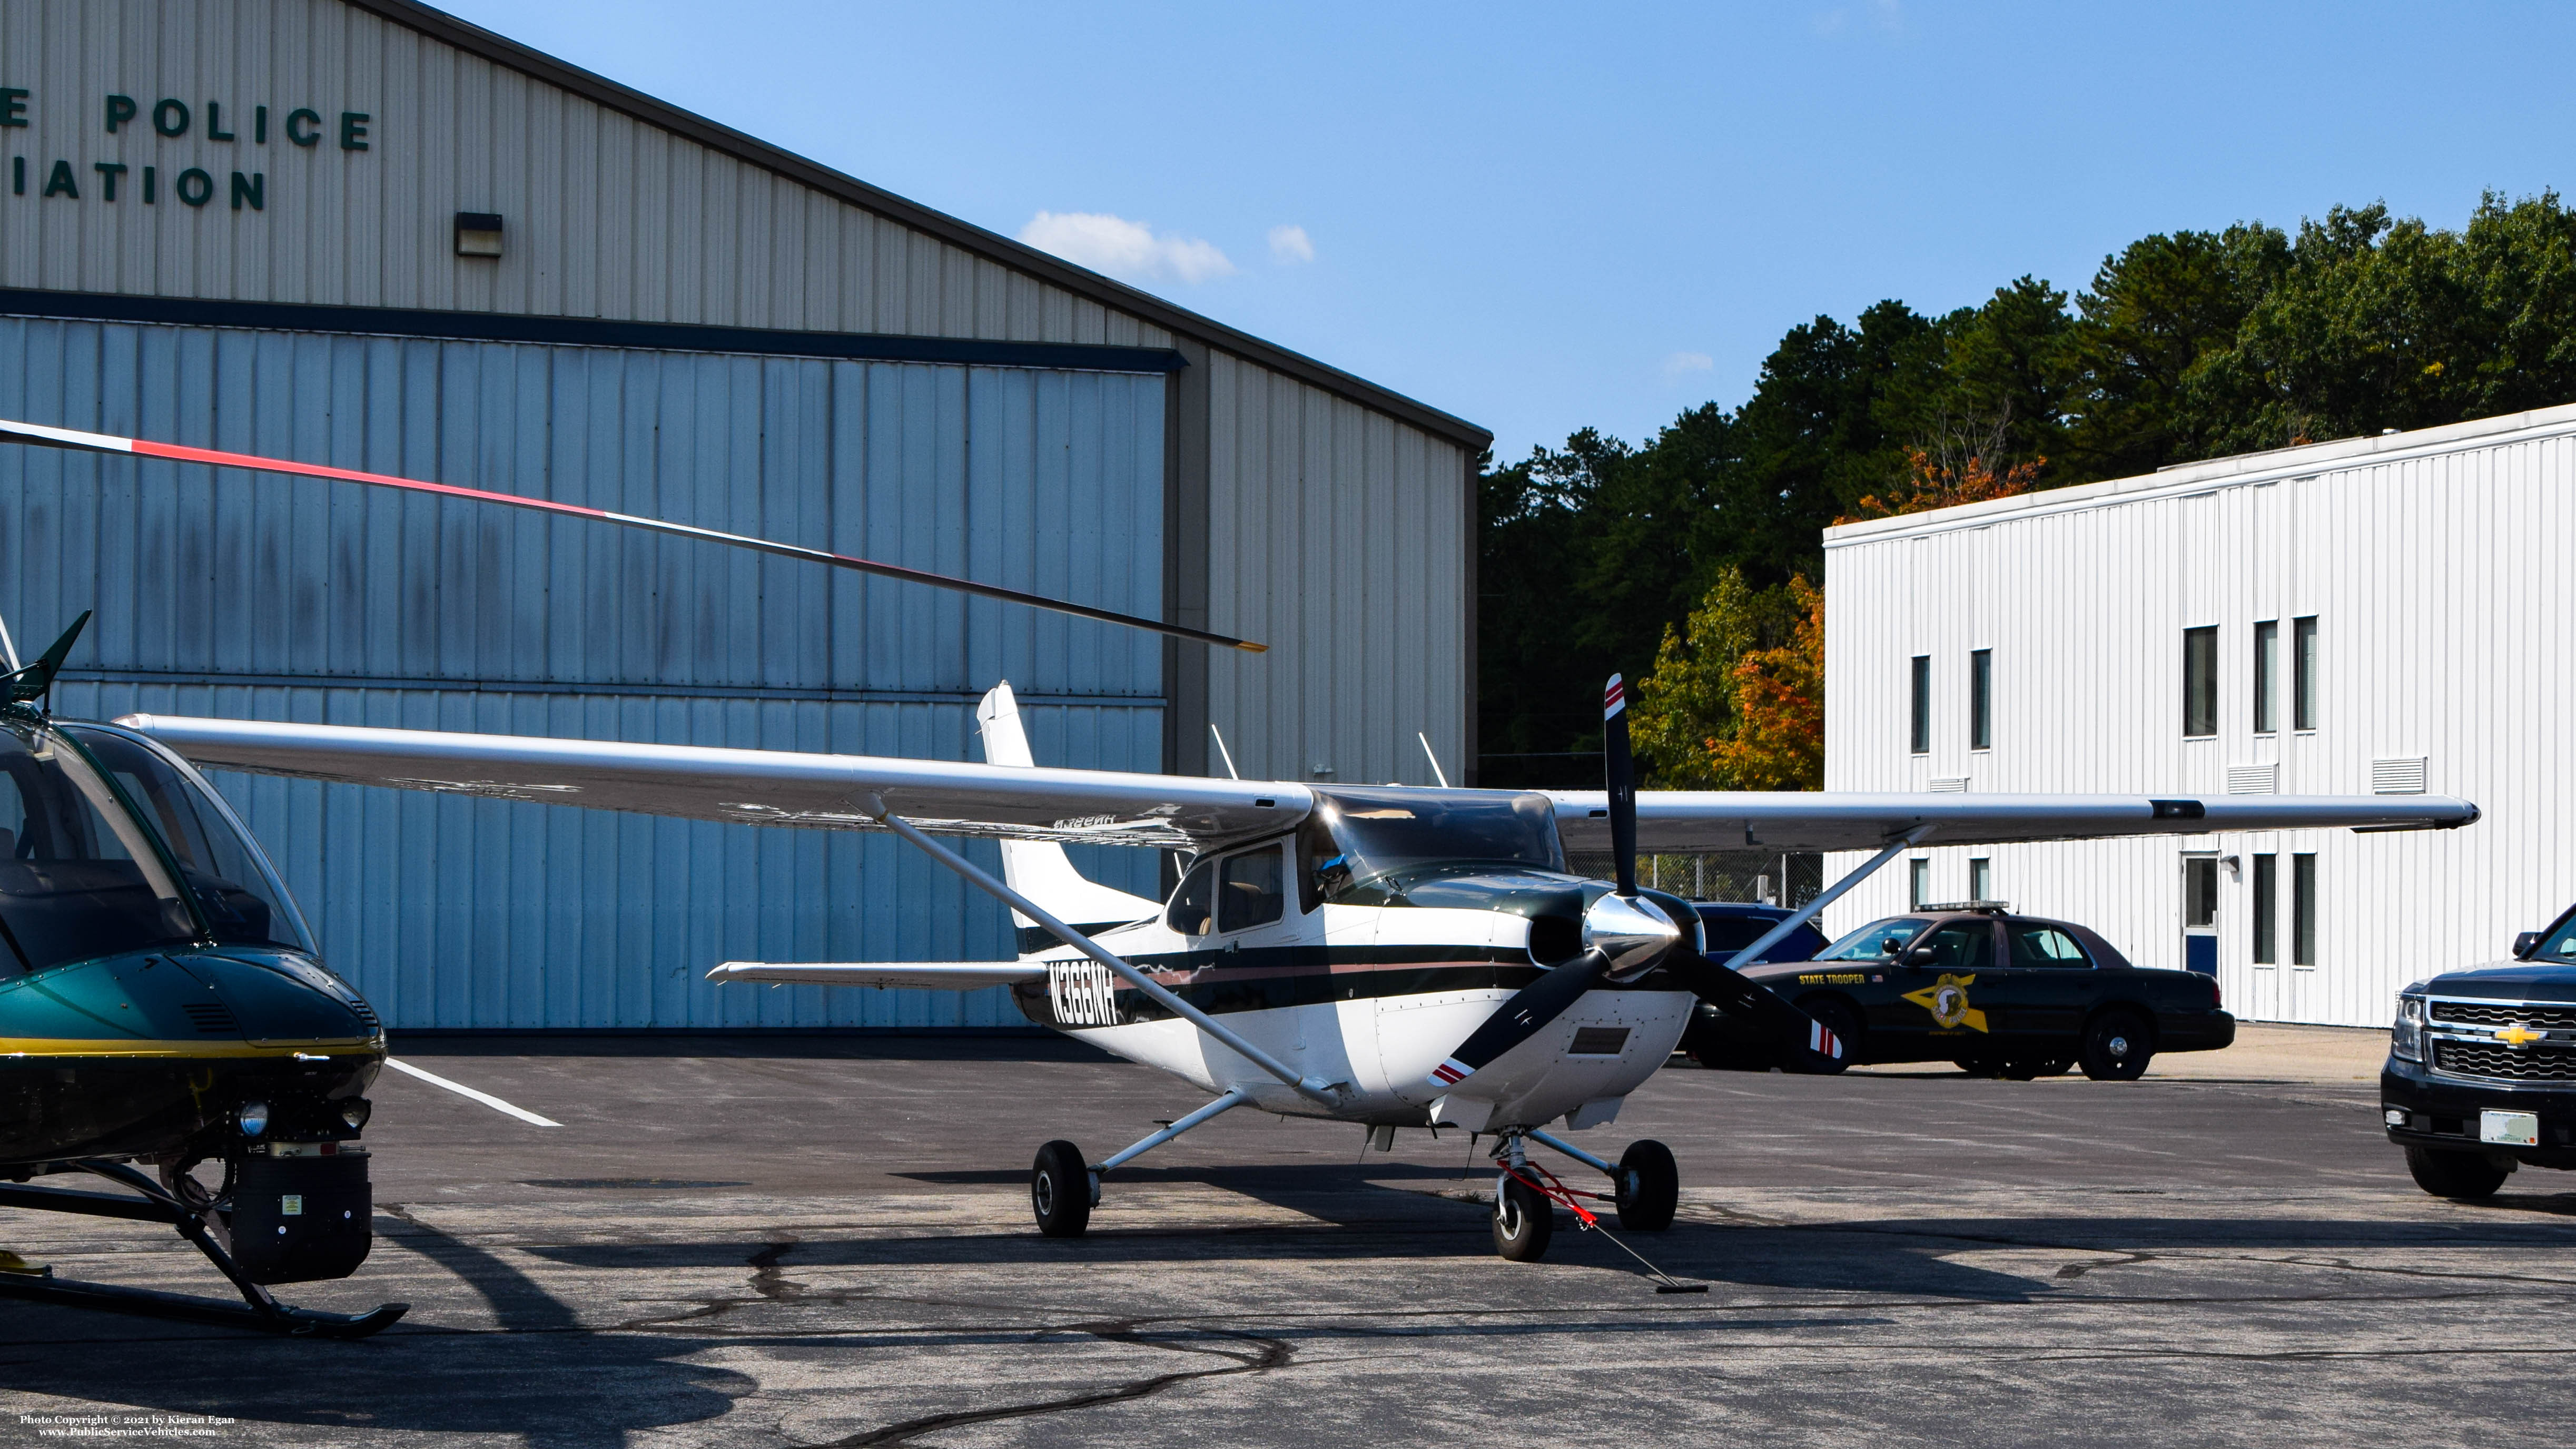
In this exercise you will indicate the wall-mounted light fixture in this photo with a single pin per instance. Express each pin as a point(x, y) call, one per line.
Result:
point(478, 233)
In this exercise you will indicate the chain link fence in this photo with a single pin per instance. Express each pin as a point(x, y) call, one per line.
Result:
point(1769, 877)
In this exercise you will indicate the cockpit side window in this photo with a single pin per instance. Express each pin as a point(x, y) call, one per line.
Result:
point(78, 877)
point(1250, 891)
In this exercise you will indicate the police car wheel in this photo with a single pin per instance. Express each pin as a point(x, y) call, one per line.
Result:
point(1523, 1221)
point(2023, 1069)
point(1060, 1190)
point(1649, 1187)
point(2117, 1046)
point(2466, 1176)
point(1980, 1066)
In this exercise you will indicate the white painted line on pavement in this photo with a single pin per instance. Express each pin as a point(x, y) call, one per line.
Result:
point(462, 1090)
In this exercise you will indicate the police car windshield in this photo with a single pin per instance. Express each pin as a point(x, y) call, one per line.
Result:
point(1877, 941)
point(1357, 836)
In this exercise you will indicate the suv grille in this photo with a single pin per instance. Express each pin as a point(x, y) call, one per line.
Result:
point(2503, 1063)
point(2545, 1018)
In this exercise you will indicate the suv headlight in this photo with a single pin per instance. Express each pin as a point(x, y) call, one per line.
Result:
point(2406, 1041)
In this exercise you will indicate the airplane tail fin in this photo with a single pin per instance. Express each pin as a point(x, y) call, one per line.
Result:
point(1039, 869)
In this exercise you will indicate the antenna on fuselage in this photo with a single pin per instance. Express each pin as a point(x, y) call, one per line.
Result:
point(1223, 751)
point(1437, 773)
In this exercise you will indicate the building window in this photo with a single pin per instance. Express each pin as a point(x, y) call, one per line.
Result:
point(1981, 700)
point(2303, 673)
point(2199, 682)
point(1918, 887)
point(2267, 910)
point(2303, 910)
point(1922, 729)
point(1981, 879)
point(2200, 891)
point(2267, 676)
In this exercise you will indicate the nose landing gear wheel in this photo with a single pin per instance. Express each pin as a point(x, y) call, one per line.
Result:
point(1649, 1187)
point(1062, 1190)
point(1524, 1220)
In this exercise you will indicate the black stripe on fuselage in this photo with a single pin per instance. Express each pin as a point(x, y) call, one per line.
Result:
point(1264, 978)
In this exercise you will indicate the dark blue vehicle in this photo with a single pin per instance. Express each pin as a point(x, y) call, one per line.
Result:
point(2481, 1074)
point(1730, 927)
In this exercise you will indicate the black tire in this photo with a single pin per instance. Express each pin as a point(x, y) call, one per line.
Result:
point(2023, 1069)
point(1840, 1018)
point(1524, 1220)
point(2056, 1066)
point(2116, 1046)
point(2464, 1176)
point(1980, 1066)
point(1649, 1187)
point(1060, 1190)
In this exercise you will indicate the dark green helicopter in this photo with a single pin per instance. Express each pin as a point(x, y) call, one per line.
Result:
point(162, 1007)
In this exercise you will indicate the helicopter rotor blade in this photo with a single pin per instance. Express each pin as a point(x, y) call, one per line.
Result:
point(18, 432)
point(1620, 782)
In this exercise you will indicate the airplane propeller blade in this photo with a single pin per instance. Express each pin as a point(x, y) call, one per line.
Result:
point(1625, 936)
point(16, 432)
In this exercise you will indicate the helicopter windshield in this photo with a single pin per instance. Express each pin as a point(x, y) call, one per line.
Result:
point(78, 877)
point(241, 899)
point(1359, 836)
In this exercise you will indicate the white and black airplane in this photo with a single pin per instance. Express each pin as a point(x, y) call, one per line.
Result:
point(1389, 956)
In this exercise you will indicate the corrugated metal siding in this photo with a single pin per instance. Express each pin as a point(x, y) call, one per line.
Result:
point(2438, 578)
point(1339, 537)
point(298, 599)
point(607, 216)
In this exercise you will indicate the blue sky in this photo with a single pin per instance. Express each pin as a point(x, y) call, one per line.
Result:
point(1547, 217)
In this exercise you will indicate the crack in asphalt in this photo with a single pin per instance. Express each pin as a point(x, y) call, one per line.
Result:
point(1267, 1354)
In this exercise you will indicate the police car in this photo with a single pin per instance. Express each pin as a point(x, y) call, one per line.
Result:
point(1996, 993)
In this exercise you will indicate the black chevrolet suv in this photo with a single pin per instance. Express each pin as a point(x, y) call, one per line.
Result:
point(2481, 1074)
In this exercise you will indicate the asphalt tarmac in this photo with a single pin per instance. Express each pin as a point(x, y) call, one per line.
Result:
point(810, 1242)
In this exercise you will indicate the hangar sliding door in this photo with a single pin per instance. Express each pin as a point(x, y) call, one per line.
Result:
point(236, 595)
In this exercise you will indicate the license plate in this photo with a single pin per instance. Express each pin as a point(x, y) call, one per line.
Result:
point(2512, 1129)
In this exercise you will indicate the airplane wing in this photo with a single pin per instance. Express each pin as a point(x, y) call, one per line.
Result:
point(752, 787)
point(1104, 807)
point(919, 975)
point(1681, 821)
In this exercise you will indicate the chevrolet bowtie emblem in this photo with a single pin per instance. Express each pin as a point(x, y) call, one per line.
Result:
point(2519, 1035)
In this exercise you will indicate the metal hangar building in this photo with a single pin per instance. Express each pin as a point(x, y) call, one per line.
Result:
point(2385, 615)
point(364, 233)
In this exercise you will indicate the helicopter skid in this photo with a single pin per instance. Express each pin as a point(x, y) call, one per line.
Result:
point(275, 1318)
point(257, 1310)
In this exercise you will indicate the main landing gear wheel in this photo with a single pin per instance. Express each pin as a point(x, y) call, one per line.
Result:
point(1524, 1220)
point(2465, 1176)
point(1061, 1190)
point(2117, 1046)
point(1649, 1187)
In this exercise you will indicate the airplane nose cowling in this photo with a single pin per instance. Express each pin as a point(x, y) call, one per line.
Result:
point(1631, 933)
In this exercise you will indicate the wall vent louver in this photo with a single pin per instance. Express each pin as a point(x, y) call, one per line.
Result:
point(1950, 784)
point(2402, 775)
point(2253, 779)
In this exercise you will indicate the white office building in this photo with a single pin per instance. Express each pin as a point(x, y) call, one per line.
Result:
point(2391, 615)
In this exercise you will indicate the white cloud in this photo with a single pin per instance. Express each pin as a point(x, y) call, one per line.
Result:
point(1290, 245)
point(1127, 249)
point(1680, 362)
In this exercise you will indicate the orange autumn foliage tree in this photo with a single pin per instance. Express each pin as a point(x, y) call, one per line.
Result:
point(1929, 484)
point(1779, 737)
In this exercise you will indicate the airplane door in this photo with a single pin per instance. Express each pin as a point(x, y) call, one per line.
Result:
point(2200, 913)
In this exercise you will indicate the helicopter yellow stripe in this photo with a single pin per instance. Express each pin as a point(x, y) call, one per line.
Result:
point(19, 1047)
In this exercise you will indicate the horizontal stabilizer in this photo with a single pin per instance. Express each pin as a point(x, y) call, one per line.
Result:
point(915, 975)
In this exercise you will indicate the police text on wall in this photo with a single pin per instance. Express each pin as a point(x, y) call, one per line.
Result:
point(167, 120)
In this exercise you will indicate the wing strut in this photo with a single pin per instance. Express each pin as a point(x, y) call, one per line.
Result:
point(1314, 1089)
point(79, 442)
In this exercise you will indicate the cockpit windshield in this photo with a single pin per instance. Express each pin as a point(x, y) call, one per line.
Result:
point(78, 877)
point(1877, 941)
point(1357, 837)
point(242, 901)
